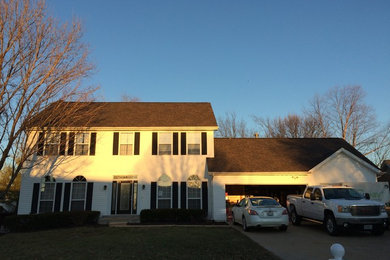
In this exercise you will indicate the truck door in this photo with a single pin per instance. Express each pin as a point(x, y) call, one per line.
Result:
point(317, 206)
point(306, 202)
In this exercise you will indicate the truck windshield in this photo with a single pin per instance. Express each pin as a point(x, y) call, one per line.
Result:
point(342, 193)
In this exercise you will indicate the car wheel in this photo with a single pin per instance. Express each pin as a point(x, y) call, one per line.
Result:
point(295, 218)
point(378, 230)
point(330, 225)
point(283, 228)
point(244, 225)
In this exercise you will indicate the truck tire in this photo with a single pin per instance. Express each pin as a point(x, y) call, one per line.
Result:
point(378, 230)
point(331, 225)
point(295, 218)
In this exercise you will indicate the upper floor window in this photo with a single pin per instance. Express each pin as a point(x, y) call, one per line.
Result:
point(193, 140)
point(81, 143)
point(46, 200)
point(165, 143)
point(126, 143)
point(52, 145)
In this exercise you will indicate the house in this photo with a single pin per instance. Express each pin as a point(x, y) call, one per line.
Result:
point(131, 156)
point(134, 156)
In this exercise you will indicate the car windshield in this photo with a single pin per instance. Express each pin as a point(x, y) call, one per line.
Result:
point(264, 202)
point(342, 193)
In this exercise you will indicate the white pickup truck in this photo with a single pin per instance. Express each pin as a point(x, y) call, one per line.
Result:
point(338, 207)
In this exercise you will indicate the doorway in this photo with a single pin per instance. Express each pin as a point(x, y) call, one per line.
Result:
point(124, 197)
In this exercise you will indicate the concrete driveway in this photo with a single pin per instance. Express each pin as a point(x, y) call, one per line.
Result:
point(310, 241)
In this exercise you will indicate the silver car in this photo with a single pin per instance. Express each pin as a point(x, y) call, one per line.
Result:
point(260, 212)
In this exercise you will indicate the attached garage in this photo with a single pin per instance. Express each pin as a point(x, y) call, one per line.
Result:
point(279, 167)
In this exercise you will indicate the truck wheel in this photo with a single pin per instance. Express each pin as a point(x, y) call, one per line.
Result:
point(244, 226)
point(331, 225)
point(378, 230)
point(295, 218)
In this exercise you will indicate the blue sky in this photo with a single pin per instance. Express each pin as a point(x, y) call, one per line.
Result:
point(264, 58)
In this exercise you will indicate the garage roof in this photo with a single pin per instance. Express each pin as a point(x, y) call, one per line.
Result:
point(275, 154)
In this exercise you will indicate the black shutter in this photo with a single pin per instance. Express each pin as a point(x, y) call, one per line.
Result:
point(40, 143)
point(175, 197)
point(63, 143)
point(175, 143)
point(57, 202)
point(113, 196)
point(183, 143)
point(154, 144)
point(65, 205)
point(153, 189)
point(116, 144)
point(34, 201)
point(92, 147)
point(183, 195)
point(136, 143)
point(204, 143)
point(205, 199)
point(71, 143)
point(88, 203)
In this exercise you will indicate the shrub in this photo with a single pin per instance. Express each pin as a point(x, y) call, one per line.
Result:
point(21, 223)
point(173, 216)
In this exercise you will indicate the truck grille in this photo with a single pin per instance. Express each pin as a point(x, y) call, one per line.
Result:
point(365, 210)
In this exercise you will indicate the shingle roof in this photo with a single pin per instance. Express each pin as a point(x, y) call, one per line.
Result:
point(274, 154)
point(144, 114)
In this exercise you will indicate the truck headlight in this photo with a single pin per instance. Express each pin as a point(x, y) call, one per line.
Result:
point(344, 209)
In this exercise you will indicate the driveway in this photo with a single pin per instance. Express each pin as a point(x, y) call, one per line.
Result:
point(310, 241)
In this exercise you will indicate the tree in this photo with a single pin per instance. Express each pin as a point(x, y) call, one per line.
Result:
point(42, 63)
point(230, 126)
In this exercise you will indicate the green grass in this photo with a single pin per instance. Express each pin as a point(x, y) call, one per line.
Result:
point(132, 243)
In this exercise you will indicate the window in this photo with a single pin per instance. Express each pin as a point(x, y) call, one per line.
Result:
point(165, 143)
point(194, 185)
point(164, 192)
point(46, 201)
point(308, 192)
point(317, 194)
point(126, 143)
point(52, 145)
point(82, 143)
point(193, 140)
point(79, 189)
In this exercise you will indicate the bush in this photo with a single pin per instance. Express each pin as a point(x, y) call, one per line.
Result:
point(21, 223)
point(173, 216)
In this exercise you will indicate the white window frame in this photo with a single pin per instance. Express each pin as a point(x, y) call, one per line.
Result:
point(42, 189)
point(129, 142)
point(196, 179)
point(85, 191)
point(164, 181)
point(52, 139)
point(194, 138)
point(85, 143)
point(161, 141)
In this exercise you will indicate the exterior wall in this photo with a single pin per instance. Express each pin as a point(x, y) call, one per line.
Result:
point(220, 180)
point(102, 167)
point(341, 168)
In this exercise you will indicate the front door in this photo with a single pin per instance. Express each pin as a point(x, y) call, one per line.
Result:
point(124, 197)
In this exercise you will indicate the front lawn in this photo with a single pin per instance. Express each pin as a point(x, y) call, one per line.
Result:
point(135, 242)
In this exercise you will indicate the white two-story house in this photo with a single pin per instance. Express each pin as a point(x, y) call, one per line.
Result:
point(130, 156)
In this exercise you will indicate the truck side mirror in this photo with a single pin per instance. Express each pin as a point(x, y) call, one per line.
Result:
point(367, 196)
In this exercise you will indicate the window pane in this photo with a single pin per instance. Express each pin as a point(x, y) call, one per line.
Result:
point(48, 192)
point(77, 205)
point(126, 138)
point(193, 138)
point(78, 191)
point(194, 204)
point(193, 193)
point(126, 149)
point(81, 149)
point(164, 192)
point(51, 149)
point(46, 206)
point(82, 138)
point(165, 149)
point(193, 148)
point(165, 138)
point(164, 203)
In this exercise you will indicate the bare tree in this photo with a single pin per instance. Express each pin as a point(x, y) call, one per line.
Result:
point(127, 98)
point(231, 126)
point(41, 62)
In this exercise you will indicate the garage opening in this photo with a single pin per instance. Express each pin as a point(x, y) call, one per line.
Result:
point(235, 193)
